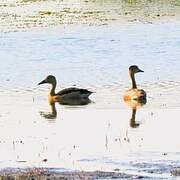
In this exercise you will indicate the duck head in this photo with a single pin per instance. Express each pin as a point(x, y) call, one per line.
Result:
point(50, 79)
point(134, 69)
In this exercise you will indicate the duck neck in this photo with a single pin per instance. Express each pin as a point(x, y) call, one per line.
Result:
point(52, 91)
point(133, 80)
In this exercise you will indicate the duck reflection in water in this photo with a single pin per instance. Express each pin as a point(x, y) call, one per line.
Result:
point(134, 105)
point(52, 114)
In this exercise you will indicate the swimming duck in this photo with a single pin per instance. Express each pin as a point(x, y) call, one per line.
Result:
point(134, 93)
point(64, 95)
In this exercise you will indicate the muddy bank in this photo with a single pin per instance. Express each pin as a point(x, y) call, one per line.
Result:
point(21, 15)
point(41, 174)
point(176, 172)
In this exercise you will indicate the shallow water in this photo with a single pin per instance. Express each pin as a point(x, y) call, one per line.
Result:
point(102, 135)
point(95, 58)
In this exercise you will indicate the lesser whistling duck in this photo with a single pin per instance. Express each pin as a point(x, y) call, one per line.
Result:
point(134, 93)
point(67, 94)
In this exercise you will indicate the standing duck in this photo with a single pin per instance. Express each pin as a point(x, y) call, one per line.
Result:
point(67, 95)
point(134, 93)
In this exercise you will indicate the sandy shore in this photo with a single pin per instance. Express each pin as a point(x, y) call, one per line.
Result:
point(22, 15)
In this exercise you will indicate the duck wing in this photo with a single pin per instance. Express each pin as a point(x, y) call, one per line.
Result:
point(74, 90)
point(135, 94)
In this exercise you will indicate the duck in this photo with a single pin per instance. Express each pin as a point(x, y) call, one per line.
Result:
point(135, 94)
point(67, 95)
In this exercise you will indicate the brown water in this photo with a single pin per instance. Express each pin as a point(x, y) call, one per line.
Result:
point(106, 134)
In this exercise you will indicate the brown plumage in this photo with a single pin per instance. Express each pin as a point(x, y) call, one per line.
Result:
point(134, 93)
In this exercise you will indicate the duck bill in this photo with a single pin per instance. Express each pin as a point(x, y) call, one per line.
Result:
point(140, 70)
point(42, 82)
